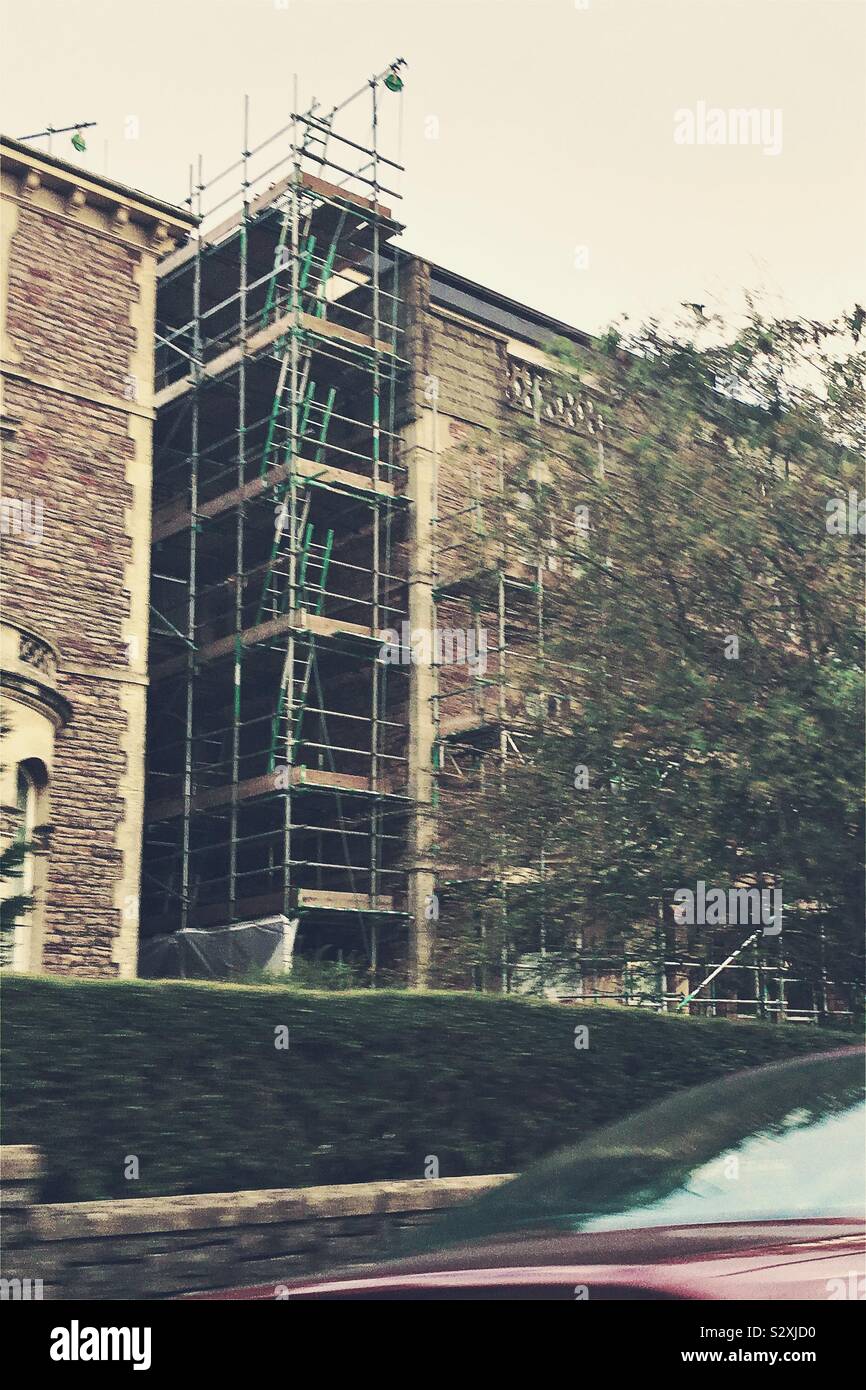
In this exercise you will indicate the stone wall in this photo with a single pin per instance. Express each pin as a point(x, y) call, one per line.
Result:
point(77, 334)
point(490, 389)
point(160, 1247)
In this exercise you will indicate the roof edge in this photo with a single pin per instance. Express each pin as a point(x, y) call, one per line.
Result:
point(17, 154)
point(504, 308)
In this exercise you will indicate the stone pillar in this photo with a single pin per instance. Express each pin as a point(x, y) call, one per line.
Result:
point(420, 452)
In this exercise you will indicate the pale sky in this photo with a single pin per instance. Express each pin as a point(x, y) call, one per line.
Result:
point(530, 128)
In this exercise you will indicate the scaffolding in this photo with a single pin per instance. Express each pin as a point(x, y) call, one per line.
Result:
point(276, 779)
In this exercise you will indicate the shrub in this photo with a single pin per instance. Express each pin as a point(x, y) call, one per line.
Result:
point(187, 1077)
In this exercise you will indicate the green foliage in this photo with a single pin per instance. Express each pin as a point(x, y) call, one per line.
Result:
point(708, 521)
point(13, 905)
point(310, 973)
point(188, 1078)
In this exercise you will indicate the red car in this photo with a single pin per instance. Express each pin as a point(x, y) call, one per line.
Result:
point(747, 1188)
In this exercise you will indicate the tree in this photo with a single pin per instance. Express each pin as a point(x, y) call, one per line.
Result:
point(704, 627)
point(15, 905)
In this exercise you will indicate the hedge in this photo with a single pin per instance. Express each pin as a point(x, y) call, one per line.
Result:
point(187, 1079)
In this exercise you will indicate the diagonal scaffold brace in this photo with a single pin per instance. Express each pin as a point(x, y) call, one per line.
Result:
point(719, 968)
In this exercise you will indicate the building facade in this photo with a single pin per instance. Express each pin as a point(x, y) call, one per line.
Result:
point(79, 259)
point(291, 440)
point(318, 393)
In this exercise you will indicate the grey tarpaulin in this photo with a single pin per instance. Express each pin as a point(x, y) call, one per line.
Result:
point(220, 953)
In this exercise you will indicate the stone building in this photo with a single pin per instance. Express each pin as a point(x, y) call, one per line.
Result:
point(311, 391)
point(79, 255)
point(339, 628)
point(336, 422)
point(317, 389)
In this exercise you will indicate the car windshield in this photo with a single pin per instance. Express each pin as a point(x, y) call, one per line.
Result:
point(781, 1143)
point(772, 1174)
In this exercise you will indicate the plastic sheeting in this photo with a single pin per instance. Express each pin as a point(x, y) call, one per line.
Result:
point(220, 953)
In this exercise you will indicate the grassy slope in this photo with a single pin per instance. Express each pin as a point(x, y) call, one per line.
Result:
point(187, 1078)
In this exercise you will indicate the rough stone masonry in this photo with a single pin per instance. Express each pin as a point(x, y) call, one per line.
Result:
point(79, 258)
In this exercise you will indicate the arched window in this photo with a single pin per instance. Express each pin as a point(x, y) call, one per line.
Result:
point(26, 798)
point(27, 792)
